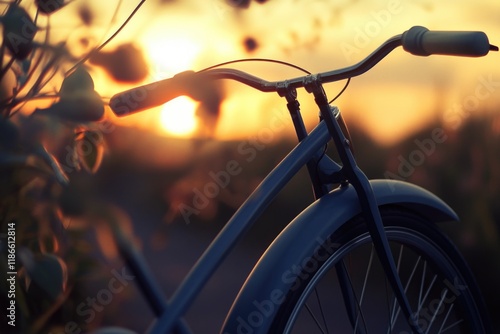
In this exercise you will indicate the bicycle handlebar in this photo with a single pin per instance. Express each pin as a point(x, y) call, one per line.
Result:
point(152, 95)
point(417, 40)
point(422, 42)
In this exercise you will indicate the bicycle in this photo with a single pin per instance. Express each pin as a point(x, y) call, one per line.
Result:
point(357, 231)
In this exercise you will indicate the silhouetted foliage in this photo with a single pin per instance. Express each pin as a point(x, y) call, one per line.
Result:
point(250, 44)
point(124, 64)
point(85, 14)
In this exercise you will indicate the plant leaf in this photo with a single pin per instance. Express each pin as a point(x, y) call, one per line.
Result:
point(90, 148)
point(78, 81)
point(126, 56)
point(79, 107)
point(49, 6)
point(46, 272)
point(18, 31)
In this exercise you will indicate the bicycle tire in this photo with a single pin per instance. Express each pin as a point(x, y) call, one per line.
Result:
point(439, 284)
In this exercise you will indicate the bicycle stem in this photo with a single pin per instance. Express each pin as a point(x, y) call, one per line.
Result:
point(366, 197)
point(293, 106)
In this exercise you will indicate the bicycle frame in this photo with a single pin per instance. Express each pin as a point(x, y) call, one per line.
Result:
point(308, 149)
point(241, 221)
point(358, 194)
point(307, 152)
point(302, 155)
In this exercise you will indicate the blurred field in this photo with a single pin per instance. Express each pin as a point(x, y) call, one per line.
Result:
point(463, 169)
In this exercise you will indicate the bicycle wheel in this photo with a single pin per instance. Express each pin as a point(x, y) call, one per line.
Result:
point(440, 288)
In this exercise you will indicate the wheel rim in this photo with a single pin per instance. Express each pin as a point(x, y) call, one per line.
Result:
point(436, 293)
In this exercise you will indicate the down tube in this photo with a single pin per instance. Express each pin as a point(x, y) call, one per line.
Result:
point(241, 221)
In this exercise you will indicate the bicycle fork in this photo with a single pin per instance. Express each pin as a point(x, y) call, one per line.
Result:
point(368, 204)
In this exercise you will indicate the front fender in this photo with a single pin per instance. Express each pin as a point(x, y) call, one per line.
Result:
point(258, 300)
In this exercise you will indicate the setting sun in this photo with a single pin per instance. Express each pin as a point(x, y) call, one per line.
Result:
point(184, 37)
point(178, 116)
point(170, 54)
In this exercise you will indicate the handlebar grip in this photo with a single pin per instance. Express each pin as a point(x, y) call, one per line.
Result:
point(422, 42)
point(152, 95)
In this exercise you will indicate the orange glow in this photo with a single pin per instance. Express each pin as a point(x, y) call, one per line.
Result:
point(396, 99)
point(169, 55)
point(178, 117)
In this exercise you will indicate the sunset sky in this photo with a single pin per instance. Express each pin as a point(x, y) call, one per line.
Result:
point(397, 97)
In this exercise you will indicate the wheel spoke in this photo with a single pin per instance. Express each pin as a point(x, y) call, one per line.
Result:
point(357, 303)
point(367, 303)
point(426, 295)
point(392, 318)
point(453, 325)
point(393, 322)
point(422, 281)
point(364, 287)
point(437, 309)
point(321, 309)
point(315, 319)
point(446, 318)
